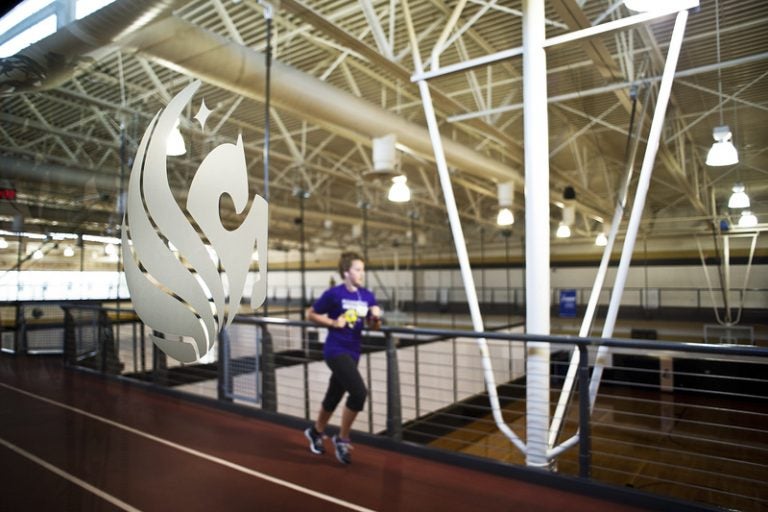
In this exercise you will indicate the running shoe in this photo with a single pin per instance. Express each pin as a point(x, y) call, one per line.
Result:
point(343, 449)
point(315, 441)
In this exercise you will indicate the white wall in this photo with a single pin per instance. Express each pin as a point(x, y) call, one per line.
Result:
point(61, 285)
point(677, 285)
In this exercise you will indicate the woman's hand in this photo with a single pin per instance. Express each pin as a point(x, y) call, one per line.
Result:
point(374, 319)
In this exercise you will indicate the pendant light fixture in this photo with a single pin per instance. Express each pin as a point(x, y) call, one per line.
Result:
point(505, 217)
point(739, 198)
point(563, 231)
point(386, 166)
point(747, 219)
point(505, 192)
point(601, 240)
point(399, 191)
point(722, 152)
point(569, 213)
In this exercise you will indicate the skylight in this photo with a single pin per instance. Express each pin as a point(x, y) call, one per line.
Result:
point(31, 35)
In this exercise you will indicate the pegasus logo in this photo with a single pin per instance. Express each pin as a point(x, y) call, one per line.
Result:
point(184, 296)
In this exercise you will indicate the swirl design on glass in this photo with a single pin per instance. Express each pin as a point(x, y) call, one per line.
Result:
point(184, 297)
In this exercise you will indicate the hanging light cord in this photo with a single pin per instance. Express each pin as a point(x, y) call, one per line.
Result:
point(719, 72)
point(267, 93)
point(268, 12)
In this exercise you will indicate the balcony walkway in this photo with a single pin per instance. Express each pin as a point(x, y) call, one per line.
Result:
point(70, 440)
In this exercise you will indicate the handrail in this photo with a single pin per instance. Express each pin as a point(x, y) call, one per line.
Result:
point(590, 341)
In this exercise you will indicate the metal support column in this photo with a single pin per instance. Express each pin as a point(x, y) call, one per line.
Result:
point(585, 438)
point(536, 131)
point(394, 409)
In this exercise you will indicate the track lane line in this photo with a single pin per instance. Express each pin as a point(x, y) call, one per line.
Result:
point(67, 476)
point(196, 453)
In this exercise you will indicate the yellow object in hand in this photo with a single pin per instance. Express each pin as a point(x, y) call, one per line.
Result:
point(350, 316)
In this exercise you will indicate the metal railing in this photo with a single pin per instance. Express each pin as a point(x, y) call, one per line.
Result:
point(651, 297)
point(684, 420)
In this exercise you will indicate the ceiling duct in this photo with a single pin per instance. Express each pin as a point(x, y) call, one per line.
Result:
point(199, 53)
point(28, 170)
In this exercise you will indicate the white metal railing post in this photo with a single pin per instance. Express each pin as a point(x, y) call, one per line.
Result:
point(536, 132)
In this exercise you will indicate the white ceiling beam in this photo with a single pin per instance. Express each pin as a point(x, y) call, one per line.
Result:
point(350, 80)
point(592, 122)
point(725, 97)
point(441, 43)
point(720, 102)
point(228, 23)
point(224, 118)
point(56, 138)
point(378, 33)
point(159, 87)
point(287, 137)
point(615, 5)
point(515, 12)
point(611, 87)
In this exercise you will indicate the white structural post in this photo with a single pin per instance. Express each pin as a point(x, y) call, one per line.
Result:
point(638, 205)
point(458, 237)
point(536, 131)
point(597, 287)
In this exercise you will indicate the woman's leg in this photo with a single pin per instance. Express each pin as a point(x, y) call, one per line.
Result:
point(346, 375)
point(322, 420)
point(347, 418)
point(332, 398)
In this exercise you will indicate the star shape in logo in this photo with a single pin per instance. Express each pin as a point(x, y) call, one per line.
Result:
point(202, 114)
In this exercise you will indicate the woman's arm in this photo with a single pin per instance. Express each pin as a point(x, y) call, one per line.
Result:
point(324, 321)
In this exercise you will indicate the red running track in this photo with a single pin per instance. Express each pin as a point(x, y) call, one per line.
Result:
point(75, 441)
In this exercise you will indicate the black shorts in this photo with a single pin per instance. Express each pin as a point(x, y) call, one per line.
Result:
point(344, 378)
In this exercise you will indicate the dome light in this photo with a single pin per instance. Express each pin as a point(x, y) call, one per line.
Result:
point(722, 152)
point(399, 191)
point(739, 198)
point(505, 217)
point(601, 240)
point(747, 219)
